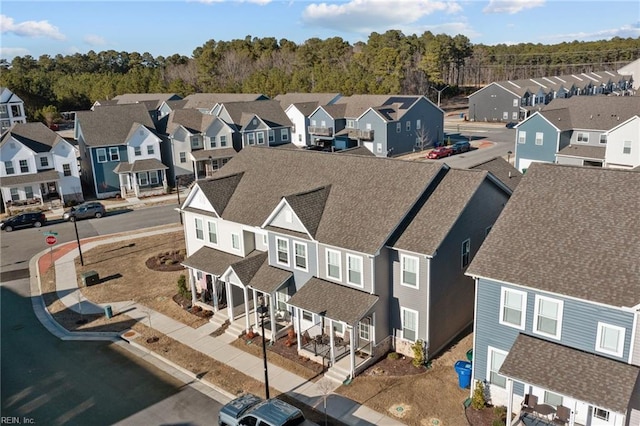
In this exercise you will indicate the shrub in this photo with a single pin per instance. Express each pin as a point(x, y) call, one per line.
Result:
point(418, 353)
point(170, 262)
point(182, 287)
point(393, 355)
point(477, 400)
point(498, 422)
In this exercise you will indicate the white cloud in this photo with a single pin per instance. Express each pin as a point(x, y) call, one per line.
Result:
point(366, 16)
point(31, 29)
point(94, 40)
point(626, 31)
point(9, 53)
point(511, 6)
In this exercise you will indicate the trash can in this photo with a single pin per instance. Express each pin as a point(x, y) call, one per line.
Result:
point(463, 368)
point(470, 355)
point(462, 115)
point(90, 278)
point(108, 312)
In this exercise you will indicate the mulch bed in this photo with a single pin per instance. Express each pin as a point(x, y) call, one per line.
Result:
point(167, 261)
point(484, 416)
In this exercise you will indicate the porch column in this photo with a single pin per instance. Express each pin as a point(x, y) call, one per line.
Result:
point(298, 326)
point(192, 286)
point(509, 399)
point(352, 352)
point(332, 343)
point(247, 319)
point(272, 318)
point(572, 415)
point(214, 293)
point(255, 308)
point(229, 301)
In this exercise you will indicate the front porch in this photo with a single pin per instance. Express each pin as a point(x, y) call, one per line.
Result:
point(36, 190)
point(206, 162)
point(142, 178)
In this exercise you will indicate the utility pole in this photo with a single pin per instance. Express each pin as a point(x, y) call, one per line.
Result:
point(439, 93)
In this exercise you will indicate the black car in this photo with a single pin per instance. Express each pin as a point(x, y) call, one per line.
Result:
point(24, 220)
point(462, 146)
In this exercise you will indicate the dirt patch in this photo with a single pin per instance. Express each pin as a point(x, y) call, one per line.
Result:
point(486, 416)
point(402, 366)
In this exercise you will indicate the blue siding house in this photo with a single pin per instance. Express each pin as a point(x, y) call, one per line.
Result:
point(557, 296)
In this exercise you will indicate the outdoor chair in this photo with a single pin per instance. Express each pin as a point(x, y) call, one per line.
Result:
point(529, 404)
point(562, 415)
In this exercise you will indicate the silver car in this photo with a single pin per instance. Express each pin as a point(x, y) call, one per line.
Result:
point(85, 211)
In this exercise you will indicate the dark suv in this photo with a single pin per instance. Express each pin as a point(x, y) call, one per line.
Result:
point(85, 211)
point(24, 220)
point(462, 146)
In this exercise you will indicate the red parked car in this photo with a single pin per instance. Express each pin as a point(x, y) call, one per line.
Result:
point(440, 152)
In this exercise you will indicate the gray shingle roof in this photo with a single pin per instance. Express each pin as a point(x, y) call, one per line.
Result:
point(220, 191)
point(337, 302)
point(357, 104)
point(583, 151)
point(587, 377)
point(309, 207)
point(269, 111)
point(246, 268)
point(440, 212)
point(298, 98)
point(35, 136)
point(357, 150)
point(214, 154)
point(132, 98)
point(111, 125)
point(591, 112)
point(147, 165)
point(191, 119)
point(569, 230)
point(269, 278)
point(209, 100)
point(44, 176)
point(501, 169)
point(369, 196)
point(211, 261)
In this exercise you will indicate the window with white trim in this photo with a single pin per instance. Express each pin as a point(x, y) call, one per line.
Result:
point(235, 241)
point(284, 134)
point(398, 127)
point(114, 154)
point(626, 147)
point(466, 253)
point(272, 136)
point(212, 229)
point(338, 328)
point(14, 194)
point(334, 264)
point(496, 358)
point(300, 250)
point(44, 162)
point(418, 124)
point(150, 150)
point(251, 139)
point(212, 142)
point(8, 167)
point(610, 339)
point(539, 138)
point(515, 102)
point(24, 166)
point(137, 151)
point(601, 414)
point(409, 271)
point(143, 179)
point(513, 304)
point(351, 124)
point(183, 157)
point(354, 270)
point(28, 192)
point(514, 115)
point(552, 398)
point(260, 138)
point(505, 115)
point(199, 229)
point(307, 316)
point(407, 126)
point(547, 317)
point(603, 139)
point(281, 300)
point(409, 324)
point(66, 169)
point(363, 330)
point(223, 140)
point(583, 137)
point(101, 154)
point(154, 178)
point(522, 136)
point(282, 249)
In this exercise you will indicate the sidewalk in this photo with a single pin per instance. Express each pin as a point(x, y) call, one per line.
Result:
point(218, 348)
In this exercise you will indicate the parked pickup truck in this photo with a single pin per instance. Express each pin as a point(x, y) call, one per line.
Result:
point(251, 410)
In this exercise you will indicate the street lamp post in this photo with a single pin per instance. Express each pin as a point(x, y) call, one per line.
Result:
point(75, 226)
point(262, 311)
point(439, 92)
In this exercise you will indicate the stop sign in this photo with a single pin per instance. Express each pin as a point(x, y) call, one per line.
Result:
point(51, 240)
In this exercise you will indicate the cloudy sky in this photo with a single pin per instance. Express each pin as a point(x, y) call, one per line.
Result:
point(167, 27)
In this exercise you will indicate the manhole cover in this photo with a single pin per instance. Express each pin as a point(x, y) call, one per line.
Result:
point(399, 410)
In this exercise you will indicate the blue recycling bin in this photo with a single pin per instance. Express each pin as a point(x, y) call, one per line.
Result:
point(108, 312)
point(463, 368)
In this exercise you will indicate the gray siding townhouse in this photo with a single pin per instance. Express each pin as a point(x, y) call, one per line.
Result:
point(557, 297)
point(11, 109)
point(572, 131)
point(386, 125)
point(257, 122)
point(298, 107)
point(120, 152)
point(345, 254)
point(513, 101)
point(38, 167)
point(199, 144)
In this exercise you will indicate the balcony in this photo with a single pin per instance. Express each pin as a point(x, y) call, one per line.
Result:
point(365, 135)
point(321, 131)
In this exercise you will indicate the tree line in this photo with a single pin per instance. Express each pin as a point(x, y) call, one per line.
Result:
point(389, 63)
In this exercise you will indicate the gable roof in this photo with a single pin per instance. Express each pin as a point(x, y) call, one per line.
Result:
point(35, 136)
point(156, 98)
point(583, 151)
point(246, 268)
point(357, 104)
point(7, 96)
point(269, 111)
point(569, 230)
point(591, 112)
point(297, 98)
point(502, 170)
point(602, 381)
point(191, 119)
point(447, 202)
point(220, 191)
point(309, 206)
point(209, 100)
point(111, 125)
point(368, 198)
point(306, 108)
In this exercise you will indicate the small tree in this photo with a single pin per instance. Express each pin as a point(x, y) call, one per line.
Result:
point(182, 287)
point(422, 138)
point(477, 400)
point(418, 353)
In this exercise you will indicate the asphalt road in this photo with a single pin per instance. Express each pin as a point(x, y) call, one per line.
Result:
point(47, 381)
point(496, 141)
